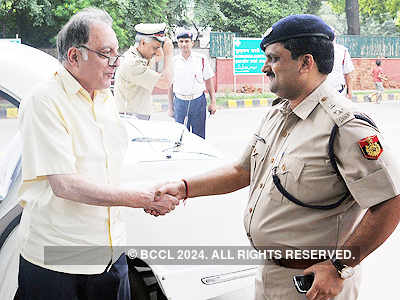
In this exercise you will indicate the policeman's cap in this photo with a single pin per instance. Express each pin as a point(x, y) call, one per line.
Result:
point(185, 35)
point(297, 26)
point(156, 31)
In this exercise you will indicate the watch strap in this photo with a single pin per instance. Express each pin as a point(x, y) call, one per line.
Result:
point(337, 264)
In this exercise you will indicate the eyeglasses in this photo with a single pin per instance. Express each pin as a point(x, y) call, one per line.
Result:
point(112, 60)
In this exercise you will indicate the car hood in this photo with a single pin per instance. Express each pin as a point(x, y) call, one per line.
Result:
point(164, 140)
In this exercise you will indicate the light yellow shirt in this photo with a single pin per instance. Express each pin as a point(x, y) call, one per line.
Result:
point(296, 143)
point(134, 83)
point(65, 132)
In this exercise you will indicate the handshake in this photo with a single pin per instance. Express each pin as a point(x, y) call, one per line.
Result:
point(165, 197)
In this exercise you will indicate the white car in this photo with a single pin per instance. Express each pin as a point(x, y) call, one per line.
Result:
point(158, 152)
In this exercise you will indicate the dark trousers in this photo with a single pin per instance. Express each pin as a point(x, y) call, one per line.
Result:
point(37, 283)
point(195, 110)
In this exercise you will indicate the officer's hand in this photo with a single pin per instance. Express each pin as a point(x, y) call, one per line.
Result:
point(159, 54)
point(212, 108)
point(327, 283)
point(171, 112)
point(161, 204)
point(176, 189)
point(168, 47)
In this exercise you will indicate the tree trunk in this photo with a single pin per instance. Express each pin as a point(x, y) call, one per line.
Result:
point(353, 17)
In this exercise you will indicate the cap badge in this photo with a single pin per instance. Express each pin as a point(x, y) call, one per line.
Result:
point(371, 148)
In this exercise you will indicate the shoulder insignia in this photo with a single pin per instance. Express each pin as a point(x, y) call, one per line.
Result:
point(277, 101)
point(371, 148)
point(337, 111)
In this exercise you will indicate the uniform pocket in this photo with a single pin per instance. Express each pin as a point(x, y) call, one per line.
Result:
point(313, 182)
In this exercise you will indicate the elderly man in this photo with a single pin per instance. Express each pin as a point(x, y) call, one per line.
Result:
point(135, 79)
point(74, 144)
point(319, 174)
point(192, 75)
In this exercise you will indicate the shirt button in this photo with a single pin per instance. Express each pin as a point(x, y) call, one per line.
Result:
point(250, 210)
point(285, 134)
point(323, 99)
point(272, 160)
point(283, 168)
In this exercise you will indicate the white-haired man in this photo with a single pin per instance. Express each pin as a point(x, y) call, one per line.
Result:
point(135, 78)
point(74, 143)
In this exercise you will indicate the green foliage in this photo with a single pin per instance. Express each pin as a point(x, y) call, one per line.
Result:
point(379, 10)
point(377, 17)
point(38, 21)
point(246, 17)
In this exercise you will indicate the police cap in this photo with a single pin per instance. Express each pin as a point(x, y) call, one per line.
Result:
point(185, 35)
point(156, 31)
point(297, 26)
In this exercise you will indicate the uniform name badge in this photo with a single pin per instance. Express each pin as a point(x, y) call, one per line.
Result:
point(371, 148)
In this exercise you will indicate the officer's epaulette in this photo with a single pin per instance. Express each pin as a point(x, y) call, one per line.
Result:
point(337, 110)
point(277, 101)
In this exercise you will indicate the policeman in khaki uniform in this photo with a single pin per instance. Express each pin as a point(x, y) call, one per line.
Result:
point(320, 174)
point(135, 79)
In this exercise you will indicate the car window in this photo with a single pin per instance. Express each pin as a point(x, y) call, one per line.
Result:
point(8, 119)
point(10, 146)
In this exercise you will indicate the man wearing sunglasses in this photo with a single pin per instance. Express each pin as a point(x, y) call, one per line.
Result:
point(74, 145)
point(136, 78)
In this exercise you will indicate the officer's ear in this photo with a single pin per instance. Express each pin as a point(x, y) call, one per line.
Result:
point(307, 62)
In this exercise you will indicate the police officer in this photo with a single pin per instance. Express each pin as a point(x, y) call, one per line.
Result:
point(135, 79)
point(302, 194)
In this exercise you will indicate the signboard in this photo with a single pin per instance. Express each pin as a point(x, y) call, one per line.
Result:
point(248, 59)
point(16, 40)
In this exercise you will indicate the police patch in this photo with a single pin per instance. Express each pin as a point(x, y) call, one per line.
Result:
point(371, 148)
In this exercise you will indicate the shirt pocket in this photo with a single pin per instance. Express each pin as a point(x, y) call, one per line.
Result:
point(312, 182)
point(257, 158)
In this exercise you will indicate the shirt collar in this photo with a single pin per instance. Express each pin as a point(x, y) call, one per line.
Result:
point(305, 108)
point(72, 86)
point(189, 58)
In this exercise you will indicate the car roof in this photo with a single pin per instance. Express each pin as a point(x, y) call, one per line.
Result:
point(22, 67)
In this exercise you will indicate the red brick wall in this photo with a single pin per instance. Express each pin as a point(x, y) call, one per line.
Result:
point(362, 77)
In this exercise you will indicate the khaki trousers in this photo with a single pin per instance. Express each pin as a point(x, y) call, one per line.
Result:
point(276, 283)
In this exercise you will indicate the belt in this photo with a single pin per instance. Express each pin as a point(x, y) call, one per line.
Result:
point(188, 97)
point(296, 263)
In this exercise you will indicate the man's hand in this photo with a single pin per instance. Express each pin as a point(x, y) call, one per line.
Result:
point(171, 112)
point(161, 204)
point(327, 282)
point(173, 192)
point(168, 47)
point(212, 108)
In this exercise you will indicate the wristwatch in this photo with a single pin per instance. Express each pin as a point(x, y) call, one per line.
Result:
point(344, 271)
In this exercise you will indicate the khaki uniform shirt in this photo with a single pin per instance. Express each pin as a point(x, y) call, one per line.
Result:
point(296, 142)
point(134, 83)
point(64, 131)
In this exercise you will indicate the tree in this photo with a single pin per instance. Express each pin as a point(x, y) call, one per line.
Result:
point(369, 11)
point(353, 17)
point(246, 17)
point(19, 16)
